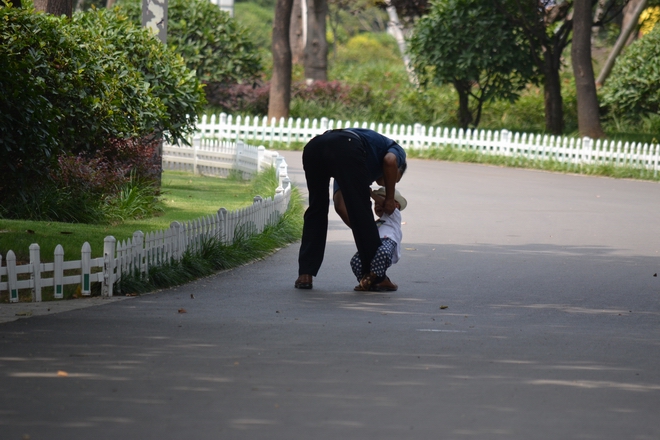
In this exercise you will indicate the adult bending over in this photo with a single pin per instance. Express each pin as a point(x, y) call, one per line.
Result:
point(355, 158)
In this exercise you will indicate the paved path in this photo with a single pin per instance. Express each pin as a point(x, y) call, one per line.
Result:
point(551, 331)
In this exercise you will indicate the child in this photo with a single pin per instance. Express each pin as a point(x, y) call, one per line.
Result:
point(389, 229)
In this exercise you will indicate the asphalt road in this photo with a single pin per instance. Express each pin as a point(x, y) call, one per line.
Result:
point(528, 308)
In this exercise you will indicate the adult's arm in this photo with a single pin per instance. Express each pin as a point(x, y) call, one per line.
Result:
point(390, 178)
point(340, 207)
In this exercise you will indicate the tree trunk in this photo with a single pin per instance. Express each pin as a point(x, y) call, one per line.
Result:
point(626, 31)
point(395, 28)
point(280, 84)
point(585, 85)
point(631, 18)
point(298, 31)
point(316, 49)
point(109, 4)
point(464, 115)
point(54, 7)
point(554, 106)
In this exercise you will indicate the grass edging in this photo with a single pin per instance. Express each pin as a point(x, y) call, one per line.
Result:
point(452, 154)
point(214, 256)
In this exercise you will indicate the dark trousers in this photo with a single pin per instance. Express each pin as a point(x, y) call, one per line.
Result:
point(340, 155)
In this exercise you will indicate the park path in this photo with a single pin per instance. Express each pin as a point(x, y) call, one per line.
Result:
point(528, 308)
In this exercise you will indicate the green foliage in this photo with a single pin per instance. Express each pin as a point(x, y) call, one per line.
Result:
point(259, 21)
point(212, 44)
point(69, 88)
point(177, 93)
point(467, 43)
point(632, 90)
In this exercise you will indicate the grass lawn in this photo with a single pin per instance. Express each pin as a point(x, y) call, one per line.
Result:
point(184, 197)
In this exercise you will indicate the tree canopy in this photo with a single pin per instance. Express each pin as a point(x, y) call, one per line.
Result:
point(632, 89)
point(469, 44)
point(212, 43)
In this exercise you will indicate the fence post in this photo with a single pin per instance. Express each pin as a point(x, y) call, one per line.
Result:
point(137, 251)
point(86, 263)
point(109, 265)
point(261, 150)
point(586, 149)
point(58, 272)
point(196, 143)
point(35, 262)
point(12, 279)
point(177, 242)
point(222, 225)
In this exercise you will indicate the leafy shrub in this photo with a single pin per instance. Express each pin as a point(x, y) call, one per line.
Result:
point(632, 89)
point(176, 93)
point(369, 48)
point(69, 87)
point(212, 44)
point(239, 98)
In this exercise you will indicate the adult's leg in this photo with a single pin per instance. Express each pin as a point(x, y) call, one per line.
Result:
point(352, 175)
point(315, 226)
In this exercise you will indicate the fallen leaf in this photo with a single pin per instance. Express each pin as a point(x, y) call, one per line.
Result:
point(26, 313)
point(62, 373)
point(444, 307)
point(182, 311)
point(192, 296)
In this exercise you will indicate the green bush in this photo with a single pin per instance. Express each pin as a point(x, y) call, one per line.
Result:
point(69, 87)
point(212, 44)
point(176, 92)
point(632, 90)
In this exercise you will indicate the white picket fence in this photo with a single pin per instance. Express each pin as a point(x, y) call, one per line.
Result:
point(212, 156)
point(142, 252)
point(504, 143)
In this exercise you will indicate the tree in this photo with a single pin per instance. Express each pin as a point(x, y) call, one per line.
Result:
point(316, 47)
point(585, 85)
point(298, 31)
point(468, 44)
point(212, 43)
point(280, 85)
point(547, 25)
point(632, 90)
point(55, 7)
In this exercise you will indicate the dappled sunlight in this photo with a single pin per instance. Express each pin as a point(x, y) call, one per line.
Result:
point(251, 423)
point(194, 389)
point(63, 375)
point(340, 424)
point(584, 368)
point(594, 384)
point(479, 433)
point(214, 379)
point(573, 309)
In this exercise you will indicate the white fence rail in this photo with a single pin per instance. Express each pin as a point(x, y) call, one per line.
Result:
point(142, 252)
point(501, 143)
